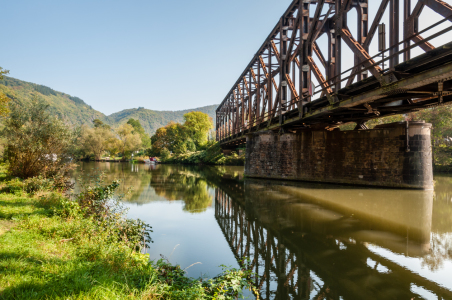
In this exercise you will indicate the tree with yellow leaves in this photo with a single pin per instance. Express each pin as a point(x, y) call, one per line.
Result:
point(3, 98)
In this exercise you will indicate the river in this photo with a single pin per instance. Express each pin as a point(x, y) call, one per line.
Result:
point(304, 240)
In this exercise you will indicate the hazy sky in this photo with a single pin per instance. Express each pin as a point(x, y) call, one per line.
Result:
point(161, 55)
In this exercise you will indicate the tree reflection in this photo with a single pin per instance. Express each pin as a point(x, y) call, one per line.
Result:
point(142, 184)
point(441, 238)
point(133, 182)
point(183, 185)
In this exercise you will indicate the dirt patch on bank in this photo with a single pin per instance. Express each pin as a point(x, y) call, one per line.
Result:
point(6, 226)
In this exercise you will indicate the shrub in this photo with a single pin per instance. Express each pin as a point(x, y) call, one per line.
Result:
point(14, 186)
point(165, 154)
point(97, 200)
point(37, 142)
point(36, 184)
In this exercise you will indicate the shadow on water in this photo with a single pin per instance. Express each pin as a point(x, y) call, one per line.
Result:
point(315, 241)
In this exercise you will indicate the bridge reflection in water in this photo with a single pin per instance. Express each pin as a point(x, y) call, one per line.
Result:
point(321, 242)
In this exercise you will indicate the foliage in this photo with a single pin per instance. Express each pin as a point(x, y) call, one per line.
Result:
point(212, 155)
point(44, 90)
point(165, 154)
point(228, 285)
point(96, 140)
point(127, 140)
point(198, 125)
point(151, 120)
point(98, 200)
point(37, 142)
point(137, 128)
point(180, 138)
point(3, 98)
point(99, 124)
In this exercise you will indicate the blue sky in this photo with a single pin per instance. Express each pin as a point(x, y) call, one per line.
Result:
point(161, 55)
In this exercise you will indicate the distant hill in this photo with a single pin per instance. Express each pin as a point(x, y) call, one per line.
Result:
point(75, 111)
point(151, 120)
point(72, 109)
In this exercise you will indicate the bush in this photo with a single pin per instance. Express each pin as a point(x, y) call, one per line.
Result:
point(212, 155)
point(165, 154)
point(97, 200)
point(37, 142)
point(14, 186)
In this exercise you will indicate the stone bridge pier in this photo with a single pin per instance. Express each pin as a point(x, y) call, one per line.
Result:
point(395, 155)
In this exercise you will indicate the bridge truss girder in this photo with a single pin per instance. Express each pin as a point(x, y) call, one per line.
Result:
point(276, 85)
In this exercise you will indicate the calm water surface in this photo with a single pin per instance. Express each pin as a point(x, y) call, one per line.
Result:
point(305, 241)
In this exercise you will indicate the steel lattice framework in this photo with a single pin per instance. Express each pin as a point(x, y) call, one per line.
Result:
point(275, 91)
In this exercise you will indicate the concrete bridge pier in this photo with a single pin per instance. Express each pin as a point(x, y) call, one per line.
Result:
point(395, 155)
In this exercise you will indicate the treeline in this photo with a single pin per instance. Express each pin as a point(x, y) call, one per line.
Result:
point(191, 143)
point(176, 138)
point(101, 139)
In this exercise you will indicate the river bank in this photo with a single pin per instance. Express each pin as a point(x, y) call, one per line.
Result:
point(213, 155)
point(49, 249)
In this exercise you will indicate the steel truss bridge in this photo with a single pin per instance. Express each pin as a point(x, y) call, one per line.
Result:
point(309, 263)
point(276, 91)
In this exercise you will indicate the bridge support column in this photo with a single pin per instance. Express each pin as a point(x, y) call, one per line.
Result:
point(390, 155)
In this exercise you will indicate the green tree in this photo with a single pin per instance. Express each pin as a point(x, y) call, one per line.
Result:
point(127, 140)
point(137, 128)
point(37, 142)
point(198, 125)
point(3, 98)
point(95, 140)
point(98, 123)
point(113, 145)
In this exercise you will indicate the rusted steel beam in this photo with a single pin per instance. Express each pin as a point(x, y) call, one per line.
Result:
point(363, 55)
point(319, 54)
point(275, 50)
point(375, 23)
point(313, 31)
point(406, 18)
point(282, 99)
point(291, 86)
point(294, 34)
point(321, 79)
point(393, 32)
point(266, 72)
point(426, 46)
point(269, 84)
point(422, 79)
point(440, 7)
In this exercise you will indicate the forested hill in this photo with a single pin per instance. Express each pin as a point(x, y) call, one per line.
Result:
point(72, 109)
point(75, 111)
point(151, 120)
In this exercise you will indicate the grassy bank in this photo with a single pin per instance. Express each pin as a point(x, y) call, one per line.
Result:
point(51, 249)
point(213, 155)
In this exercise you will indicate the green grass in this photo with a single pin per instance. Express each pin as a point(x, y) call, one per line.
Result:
point(44, 254)
point(38, 261)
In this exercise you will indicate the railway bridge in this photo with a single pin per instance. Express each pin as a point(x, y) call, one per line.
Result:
point(331, 62)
